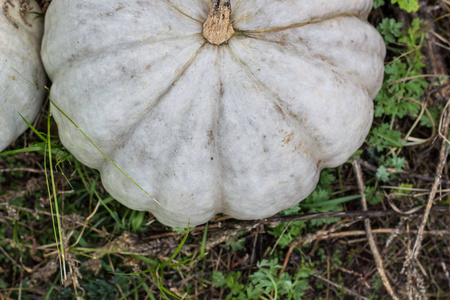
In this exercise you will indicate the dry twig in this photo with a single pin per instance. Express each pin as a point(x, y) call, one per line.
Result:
point(373, 246)
point(346, 290)
point(443, 131)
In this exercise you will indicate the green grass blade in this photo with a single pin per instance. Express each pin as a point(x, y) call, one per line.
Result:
point(51, 189)
point(145, 259)
point(180, 263)
point(333, 202)
point(172, 257)
point(34, 129)
point(203, 248)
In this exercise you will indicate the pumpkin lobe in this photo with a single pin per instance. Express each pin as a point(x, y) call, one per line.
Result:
point(218, 29)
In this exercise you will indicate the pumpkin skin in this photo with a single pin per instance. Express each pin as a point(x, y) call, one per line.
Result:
point(243, 128)
point(21, 71)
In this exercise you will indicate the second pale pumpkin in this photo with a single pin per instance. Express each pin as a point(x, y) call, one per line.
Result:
point(22, 76)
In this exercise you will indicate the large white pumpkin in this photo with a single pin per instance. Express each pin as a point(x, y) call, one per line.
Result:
point(242, 128)
point(22, 76)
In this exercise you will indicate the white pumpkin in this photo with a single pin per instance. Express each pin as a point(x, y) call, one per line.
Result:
point(22, 76)
point(242, 128)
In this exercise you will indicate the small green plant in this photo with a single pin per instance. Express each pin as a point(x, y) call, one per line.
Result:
point(408, 5)
point(396, 164)
point(265, 283)
point(284, 286)
point(400, 97)
point(231, 281)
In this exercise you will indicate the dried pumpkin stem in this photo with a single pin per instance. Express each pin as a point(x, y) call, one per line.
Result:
point(24, 9)
point(218, 29)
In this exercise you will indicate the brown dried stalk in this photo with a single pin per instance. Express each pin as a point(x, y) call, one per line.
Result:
point(373, 247)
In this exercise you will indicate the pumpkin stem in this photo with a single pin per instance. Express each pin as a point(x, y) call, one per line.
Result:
point(218, 29)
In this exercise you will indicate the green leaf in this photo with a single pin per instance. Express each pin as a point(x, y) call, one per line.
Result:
point(395, 162)
point(426, 121)
point(372, 196)
point(218, 279)
point(408, 5)
point(390, 30)
point(237, 246)
point(382, 174)
point(404, 190)
point(384, 137)
point(378, 3)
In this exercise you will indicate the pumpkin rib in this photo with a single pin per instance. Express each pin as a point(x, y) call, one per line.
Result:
point(260, 14)
point(220, 204)
point(300, 101)
point(280, 106)
point(158, 100)
point(257, 143)
point(167, 137)
point(359, 48)
point(182, 12)
point(110, 87)
point(109, 51)
point(151, 24)
point(297, 25)
point(324, 61)
point(200, 8)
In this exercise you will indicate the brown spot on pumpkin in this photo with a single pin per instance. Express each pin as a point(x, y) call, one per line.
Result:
point(282, 41)
point(221, 90)
point(121, 6)
point(280, 111)
point(210, 137)
point(287, 139)
point(325, 59)
point(13, 77)
point(147, 67)
point(319, 163)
